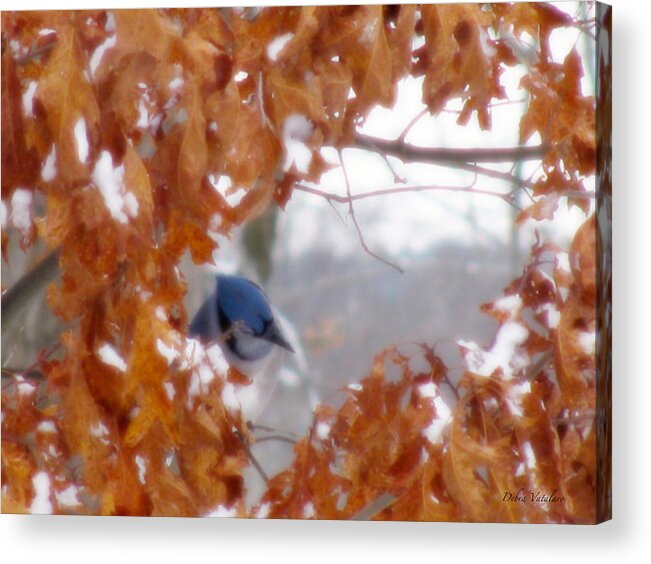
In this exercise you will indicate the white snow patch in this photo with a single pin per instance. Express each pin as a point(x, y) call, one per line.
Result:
point(110, 182)
point(108, 355)
point(28, 99)
point(484, 363)
point(46, 427)
point(323, 430)
point(41, 503)
point(510, 304)
point(514, 397)
point(217, 359)
point(428, 390)
point(434, 432)
point(587, 340)
point(176, 83)
point(194, 388)
point(553, 315)
point(169, 390)
point(491, 403)
point(143, 113)
point(21, 205)
point(206, 375)
point(224, 185)
point(229, 399)
point(68, 497)
point(99, 430)
point(222, 511)
point(193, 354)
point(142, 468)
point(18, 49)
point(488, 50)
point(98, 54)
point(49, 170)
point(240, 76)
point(296, 130)
point(206, 364)
point(276, 45)
point(170, 354)
point(530, 456)
point(563, 262)
point(81, 139)
point(355, 387)
point(131, 204)
point(308, 510)
point(24, 388)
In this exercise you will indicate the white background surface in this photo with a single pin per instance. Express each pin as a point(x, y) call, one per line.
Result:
point(626, 538)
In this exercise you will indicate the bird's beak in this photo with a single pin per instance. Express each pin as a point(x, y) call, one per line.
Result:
point(277, 339)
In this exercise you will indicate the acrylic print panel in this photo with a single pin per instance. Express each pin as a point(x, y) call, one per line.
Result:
point(332, 262)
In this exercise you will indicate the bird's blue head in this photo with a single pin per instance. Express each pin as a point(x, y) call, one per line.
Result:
point(239, 313)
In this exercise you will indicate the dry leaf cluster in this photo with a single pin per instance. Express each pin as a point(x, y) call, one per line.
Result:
point(123, 123)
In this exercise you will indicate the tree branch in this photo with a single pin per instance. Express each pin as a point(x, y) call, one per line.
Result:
point(398, 190)
point(445, 155)
point(351, 212)
point(375, 507)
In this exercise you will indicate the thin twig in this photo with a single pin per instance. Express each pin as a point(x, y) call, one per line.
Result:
point(462, 159)
point(491, 173)
point(396, 177)
point(411, 124)
point(398, 190)
point(445, 155)
point(252, 458)
point(281, 438)
point(351, 212)
point(253, 427)
point(35, 53)
point(11, 375)
point(451, 386)
point(493, 105)
point(375, 507)
point(539, 366)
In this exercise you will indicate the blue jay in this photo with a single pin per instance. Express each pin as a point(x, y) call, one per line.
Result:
point(239, 317)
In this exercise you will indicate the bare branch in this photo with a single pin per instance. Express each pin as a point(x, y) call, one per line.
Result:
point(280, 438)
point(396, 177)
point(497, 174)
point(251, 457)
point(373, 508)
point(400, 189)
point(445, 155)
point(411, 124)
point(35, 53)
point(351, 212)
